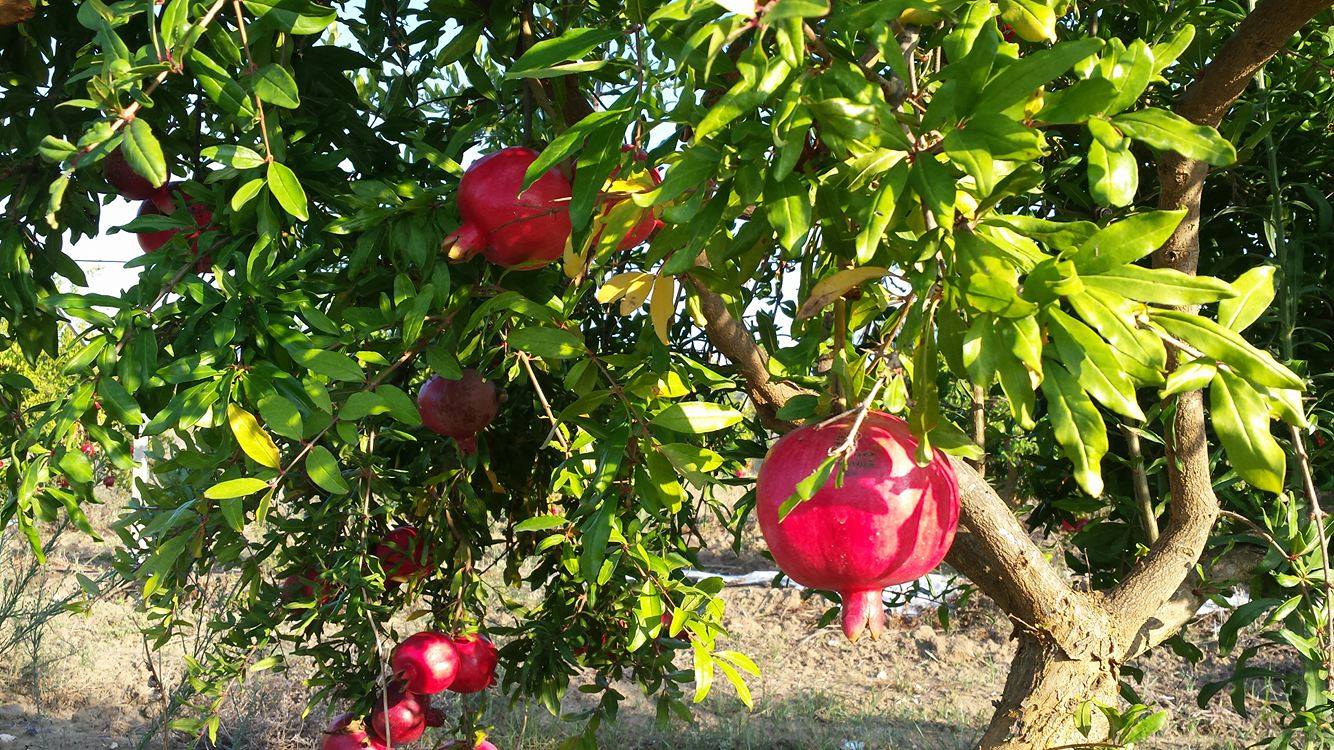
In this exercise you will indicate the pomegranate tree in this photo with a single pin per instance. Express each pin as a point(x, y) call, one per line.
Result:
point(426, 663)
point(477, 664)
point(459, 408)
point(889, 521)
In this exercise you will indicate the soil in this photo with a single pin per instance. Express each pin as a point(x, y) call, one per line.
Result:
point(85, 681)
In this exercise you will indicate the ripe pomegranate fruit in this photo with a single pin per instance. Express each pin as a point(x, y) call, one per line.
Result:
point(347, 732)
point(477, 664)
point(402, 554)
point(508, 228)
point(164, 204)
point(399, 717)
point(426, 663)
point(129, 183)
point(458, 408)
point(891, 520)
point(304, 585)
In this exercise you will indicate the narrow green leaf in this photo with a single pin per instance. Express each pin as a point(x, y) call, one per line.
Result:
point(1255, 290)
point(323, 470)
point(287, 189)
point(276, 86)
point(143, 153)
point(1167, 131)
point(548, 343)
point(572, 44)
point(1228, 346)
point(1241, 420)
point(1126, 241)
point(1162, 286)
point(235, 488)
point(1077, 425)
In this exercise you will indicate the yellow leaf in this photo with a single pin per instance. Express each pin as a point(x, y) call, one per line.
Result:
point(664, 302)
point(253, 439)
point(616, 222)
point(636, 293)
point(572, 262)
point(618, 285)
point(830, 289)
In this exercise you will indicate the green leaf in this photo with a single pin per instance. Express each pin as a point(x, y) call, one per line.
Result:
point(1143, 727)
point(1129, 70)
point(572, 44)
point(323, 470)
point(273, 84)
point(937, 186)
point(548, 343)
point(293, 16)
point(886, 200)
point(1162, 286)
point(119, 403)
point(1113, 175)
point(246, 192)
point(143, 153)
point(1091, 361)
point(1166, 131)
point(1077, 103)
point(362, 404)
point(1018, 81)
point(287, 189)
point(787, 204)
point(333, 365)
point(253, 439)
point(1255, 290)
point(569, 141)
point(237, 157)
point(1126, 241)
point(593, 542)
point(542, 523)
point(400, 404)
point(1077, 425)
point(219, 87)
point(233, 512)
point(1190, 376)
point(281, 416)
point(696, 417)
point(1241, 420)
point(1227, 346)
point(235, 488)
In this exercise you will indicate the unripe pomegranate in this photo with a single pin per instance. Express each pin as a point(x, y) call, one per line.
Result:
point(891, 520)
point(458, 408)
point(399, 717)
point(347, 732)
point(164, 204)
point(402, 555)
point(508, 228)
point(426, 662)
point(129, 183)
point(477, 664)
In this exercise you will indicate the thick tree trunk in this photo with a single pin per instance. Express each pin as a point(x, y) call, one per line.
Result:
point(1043, 695)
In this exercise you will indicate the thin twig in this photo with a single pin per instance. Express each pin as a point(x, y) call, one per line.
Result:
point(1140, 482)
point(250, 60)
point(1318, 518)
point(524, 359)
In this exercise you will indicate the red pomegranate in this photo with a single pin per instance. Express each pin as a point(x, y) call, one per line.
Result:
point(511, 229)
point(481, 743)
point(477, 664)
point(304, 585)
point(129, 183)
point(648, 223)
point(164, 204)
point(458, 408)
point(891, 520)
point(399, 717)
point(426, 662)
point(402, 554)
point(347, 732)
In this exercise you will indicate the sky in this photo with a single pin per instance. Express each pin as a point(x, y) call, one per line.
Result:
point(103, 257)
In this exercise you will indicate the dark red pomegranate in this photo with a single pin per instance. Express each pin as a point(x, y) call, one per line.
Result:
point(891, 520)
point(435, 717)
point(304, 585)
point(164, 204)
point(347, 732)
point(477, 664)
point(508, 228)
point(458, 408)
point(403, 554)
point(426, 663)
point(399, 717)
point(129, 183)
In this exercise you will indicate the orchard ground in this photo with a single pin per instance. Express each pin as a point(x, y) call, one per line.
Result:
point(84, 682)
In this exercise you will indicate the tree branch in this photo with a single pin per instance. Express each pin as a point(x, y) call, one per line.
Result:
point(1157, 577)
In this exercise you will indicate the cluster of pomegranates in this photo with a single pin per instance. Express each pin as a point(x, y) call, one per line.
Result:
point(157, 201)
point(887, 521)
point(518, 228)
point(423, 665)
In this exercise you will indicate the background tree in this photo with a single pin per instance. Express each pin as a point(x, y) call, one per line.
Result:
point(894, 205)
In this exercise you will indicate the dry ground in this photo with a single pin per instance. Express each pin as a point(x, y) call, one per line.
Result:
point(86, 682)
